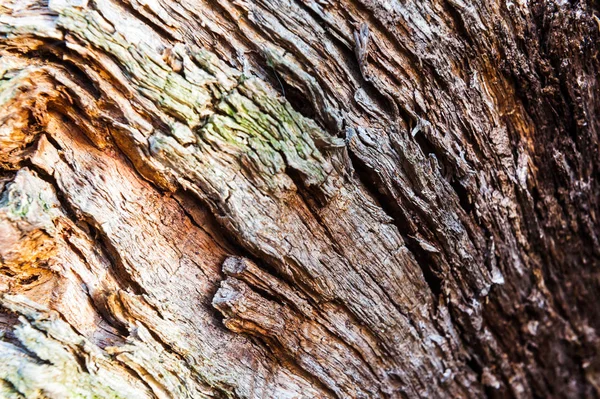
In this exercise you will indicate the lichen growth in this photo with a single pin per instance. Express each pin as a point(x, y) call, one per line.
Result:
point(30, 201)
point(226, 109)
point(47, 363)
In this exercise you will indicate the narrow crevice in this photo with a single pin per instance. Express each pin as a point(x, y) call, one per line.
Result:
point(53, 53)
point(16, 320)
point(281, 301)
point(448, 171)
point(319, 319)
point(372, 183)
point(6, 177)
point(86, 224)
point(472, 360)
point(288, 360)
point(100, 306)
point(236, 247)
point(297, 100)
point(266, 262)
point(429, 150)
point(114, 257)
point(12, 389)
point(29, 279)
point(8, 321)
point(363, 272)
point(212, 228)
point(129, 9)
point(7, 272)
point(459, 23)
point(462, 194)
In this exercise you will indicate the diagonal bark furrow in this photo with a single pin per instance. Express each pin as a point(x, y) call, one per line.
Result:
point(518, 284)
point(270, 287)
point(86, 223)
point(289, 331)
point(370, 182)
point(52, 180)
point(338, 248)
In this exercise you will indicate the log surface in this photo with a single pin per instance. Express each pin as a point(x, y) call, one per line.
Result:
point(299, 199)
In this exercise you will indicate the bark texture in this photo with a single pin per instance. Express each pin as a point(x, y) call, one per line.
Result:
point(299, 199)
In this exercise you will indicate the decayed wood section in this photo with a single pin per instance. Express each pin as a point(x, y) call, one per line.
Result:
point(299, 198)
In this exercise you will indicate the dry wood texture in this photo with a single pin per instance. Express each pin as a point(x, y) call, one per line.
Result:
point(299, 198)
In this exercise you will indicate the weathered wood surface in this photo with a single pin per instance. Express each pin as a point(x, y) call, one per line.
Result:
point(299, 199)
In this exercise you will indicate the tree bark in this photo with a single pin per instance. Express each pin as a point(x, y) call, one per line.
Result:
point(299, 199)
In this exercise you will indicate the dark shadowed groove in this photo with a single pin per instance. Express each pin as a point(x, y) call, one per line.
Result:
point(127, 7)
point(217, 236)
point(458, 20)
point(99, 306)
point(376, 188)
point(286, 359)
point(87, 224)
point(310, 204)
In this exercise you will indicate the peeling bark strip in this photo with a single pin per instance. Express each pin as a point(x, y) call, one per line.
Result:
point(299, 199)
